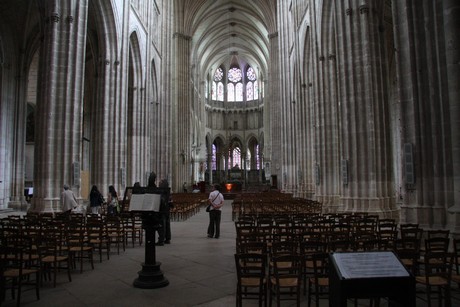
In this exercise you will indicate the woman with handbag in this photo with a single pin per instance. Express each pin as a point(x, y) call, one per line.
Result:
point(216, 201)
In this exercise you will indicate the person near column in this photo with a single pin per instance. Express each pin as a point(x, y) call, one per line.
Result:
point(68, 200)
point(164, 232)
point(95, 200)
point(216, 199)
point(152, 180)
point(112, 201)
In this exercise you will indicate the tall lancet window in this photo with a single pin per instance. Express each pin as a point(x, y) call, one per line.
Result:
point(218, 86)
point(251, 85)
point(213, 158)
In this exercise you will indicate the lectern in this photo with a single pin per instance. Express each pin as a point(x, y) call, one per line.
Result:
point(147, 202)
point(370, 275)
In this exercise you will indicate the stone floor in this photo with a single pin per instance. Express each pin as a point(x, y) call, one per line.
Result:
point(200, 272)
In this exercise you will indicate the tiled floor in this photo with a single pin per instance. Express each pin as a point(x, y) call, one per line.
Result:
point(200, 272)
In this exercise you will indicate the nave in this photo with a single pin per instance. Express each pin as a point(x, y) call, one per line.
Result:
point(200, 271)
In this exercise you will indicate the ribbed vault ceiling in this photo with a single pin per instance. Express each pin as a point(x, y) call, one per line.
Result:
point(222, 28)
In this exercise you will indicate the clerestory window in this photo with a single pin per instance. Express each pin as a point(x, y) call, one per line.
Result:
point(240, 85)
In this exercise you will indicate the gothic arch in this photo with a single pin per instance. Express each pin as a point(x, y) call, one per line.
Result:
point(102, 56)
point(135, 117)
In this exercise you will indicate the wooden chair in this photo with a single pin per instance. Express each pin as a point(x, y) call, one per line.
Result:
point(318, 284)
point(128, 226)
point(437, 277)
point(115, 232)
point(408, 251)
point(79, 246)
point(98, 238)
point(456, 269)
point(251, 278)
point(387, 234)
point(15, 268)
point(54, 253)
point(285, 281)
point(307, 250)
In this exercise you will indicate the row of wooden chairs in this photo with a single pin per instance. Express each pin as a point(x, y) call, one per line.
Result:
point(43, 246)
point(416, 248)
point(287, 207)
point(259, 281)
point(186, 205)
point(260, 277)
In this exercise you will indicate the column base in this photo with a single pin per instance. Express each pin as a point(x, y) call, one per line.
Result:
point(151, 277)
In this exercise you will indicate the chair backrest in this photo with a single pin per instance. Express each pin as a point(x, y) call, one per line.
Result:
point(251, 265)
point(312, 247)
point(416, 233)
point(437, 244)
point(279, 248)
point(438, 233)
point(252, 247)
point(18, 250)
point(439, 264)
point(287, 267)
point(320, 265)
point(54, 240)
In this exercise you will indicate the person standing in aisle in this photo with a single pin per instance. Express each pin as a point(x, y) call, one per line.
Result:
point(164, 232)
point(96, 200)
point(68, 200)
point(216, 199)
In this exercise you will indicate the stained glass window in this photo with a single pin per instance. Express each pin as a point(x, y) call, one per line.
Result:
point(239, 92)
point(220, 91)
point(230, 92)
point(249, 91)
point(213, 159)
point(234, 75)
point(235, 89)
point(235, 158)
point(251, 74)
point(214, 91)
point(218, 74)
point(257, 157)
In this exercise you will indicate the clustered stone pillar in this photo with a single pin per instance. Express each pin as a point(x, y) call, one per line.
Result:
point(451, 12)
point(183, 106)
point(426, 108)
point(59, 102)
point(365, 148)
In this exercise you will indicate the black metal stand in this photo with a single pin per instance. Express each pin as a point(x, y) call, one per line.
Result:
point(150, 277)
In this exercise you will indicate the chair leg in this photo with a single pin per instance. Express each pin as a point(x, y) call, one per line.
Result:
point(447, 298)
point(428, 295)
point(37, 284)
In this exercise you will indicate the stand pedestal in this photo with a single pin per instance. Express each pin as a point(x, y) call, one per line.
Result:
point(151, 276)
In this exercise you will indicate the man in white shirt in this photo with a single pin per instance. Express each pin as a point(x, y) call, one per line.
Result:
point(216, 199)
point(68, 200)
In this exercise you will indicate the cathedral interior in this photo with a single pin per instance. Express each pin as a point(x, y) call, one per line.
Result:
point(354, 104)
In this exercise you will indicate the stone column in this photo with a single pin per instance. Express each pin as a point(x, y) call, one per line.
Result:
point(428, 99)
point(182, 106)
point(17, 199)
point(272, 109)
point(366, 181)
point(451, 14)
point(59, 103)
